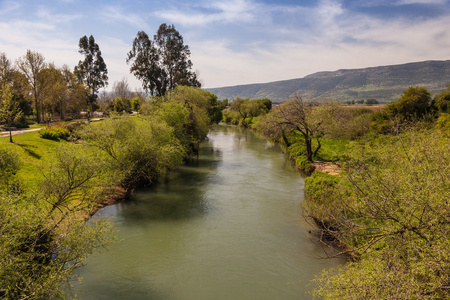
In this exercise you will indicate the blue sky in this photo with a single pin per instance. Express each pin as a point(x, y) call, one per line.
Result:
point(235, 41)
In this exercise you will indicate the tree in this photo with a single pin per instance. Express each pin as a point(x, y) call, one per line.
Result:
point(442, 100)
point(44, 235)
point(9, 109)
point(138, 153)
point(31, 66)
point(248, 109)
point(161, 63)
point(414, 104)
point(6, 69)
point(298, 116)
point(201, 106)
point(371, 101)
point(92, 70)
point(121, 89)
point(390, 212)
point(54, 95)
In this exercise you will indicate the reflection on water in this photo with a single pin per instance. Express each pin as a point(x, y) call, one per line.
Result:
point(224, 226)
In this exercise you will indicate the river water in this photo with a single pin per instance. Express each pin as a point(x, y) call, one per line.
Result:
point(225, 226)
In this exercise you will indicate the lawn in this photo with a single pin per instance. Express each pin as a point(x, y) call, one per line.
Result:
point(33, 151)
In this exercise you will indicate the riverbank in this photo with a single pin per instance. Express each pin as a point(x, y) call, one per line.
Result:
point(227, 224)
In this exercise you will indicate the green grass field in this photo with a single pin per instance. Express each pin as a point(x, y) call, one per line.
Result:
point(33, 151)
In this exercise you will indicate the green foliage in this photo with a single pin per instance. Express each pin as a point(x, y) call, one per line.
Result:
point(121, 105)
point(303, 164)
point(390, 212)
point(245, 110)
point(267, 103)
point(135, 104)
point(414, 104)
point(442, 100)
point(162, 63)
point(31, 66)
point(9, 165)
point(40, 252)
point(321, 203)
point(54, 133)
point(299, 116)
point(380, 123)
point(9, 109)
point(138, 152)
point(385, 83)
point(342, 122)
point(44, 236)
point(443, 122)
point(72, 179)
point(92, 70)
point(371, 101)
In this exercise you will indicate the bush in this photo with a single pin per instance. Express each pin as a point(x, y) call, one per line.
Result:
point(443, 122)
point(380, 123)
point(21, 122)
point(319, 187)
point(54, 133)
point(304, 165)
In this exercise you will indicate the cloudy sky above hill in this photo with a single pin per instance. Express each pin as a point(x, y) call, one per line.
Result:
point(235, 41)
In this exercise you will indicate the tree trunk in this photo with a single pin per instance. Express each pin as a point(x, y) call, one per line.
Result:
point(286, 141)
point(308, 146)
point(319, 145)
point(10, 135)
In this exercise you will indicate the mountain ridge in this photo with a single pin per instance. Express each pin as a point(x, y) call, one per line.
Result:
point(384, 83)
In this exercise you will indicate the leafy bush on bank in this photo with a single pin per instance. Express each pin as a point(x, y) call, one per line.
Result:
point(54, 133)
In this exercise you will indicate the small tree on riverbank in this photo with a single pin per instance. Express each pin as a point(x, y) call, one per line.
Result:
point(299, 116)
point(9, 109)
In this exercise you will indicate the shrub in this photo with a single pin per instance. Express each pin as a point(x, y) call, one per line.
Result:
point(21, 122)
point(443, 121)
point(380, 123)
point(54, 133)
point(303, 164)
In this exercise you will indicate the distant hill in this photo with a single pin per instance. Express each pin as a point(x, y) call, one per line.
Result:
point(384, 83)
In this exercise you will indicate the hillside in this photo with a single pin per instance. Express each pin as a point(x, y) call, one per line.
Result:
point(385, 83)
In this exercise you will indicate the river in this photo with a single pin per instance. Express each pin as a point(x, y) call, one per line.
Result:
point(225, 226)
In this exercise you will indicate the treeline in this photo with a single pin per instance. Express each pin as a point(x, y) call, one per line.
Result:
point(43, 236)
point(388, 208)
point(43, 207)
point(46, 92)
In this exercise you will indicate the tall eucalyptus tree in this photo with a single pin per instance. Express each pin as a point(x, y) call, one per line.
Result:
point(92, 70)
point(162, 63)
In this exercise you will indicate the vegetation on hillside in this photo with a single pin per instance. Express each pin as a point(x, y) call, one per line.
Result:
point(384, 84)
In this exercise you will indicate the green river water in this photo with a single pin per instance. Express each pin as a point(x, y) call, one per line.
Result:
point(225, 226)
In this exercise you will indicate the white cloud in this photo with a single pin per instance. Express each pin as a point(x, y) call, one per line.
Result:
point(406, 2)
point(356, 42)
point(219, 11)
point(112, 13)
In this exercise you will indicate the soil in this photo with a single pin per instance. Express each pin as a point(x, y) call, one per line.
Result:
point(327, 167)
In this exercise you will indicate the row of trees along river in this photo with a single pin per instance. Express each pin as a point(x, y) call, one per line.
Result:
point(226, 222)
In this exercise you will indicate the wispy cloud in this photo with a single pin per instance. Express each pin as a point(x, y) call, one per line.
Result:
point(115, 13)
point(430, 2)
point(49, 17)
point(242, 11)
point(8, 6)
point(331, 38)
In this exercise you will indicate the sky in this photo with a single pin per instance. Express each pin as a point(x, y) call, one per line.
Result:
point(235, 42)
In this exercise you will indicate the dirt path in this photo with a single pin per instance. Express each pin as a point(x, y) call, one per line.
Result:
point(16, 132)
point(327, 167)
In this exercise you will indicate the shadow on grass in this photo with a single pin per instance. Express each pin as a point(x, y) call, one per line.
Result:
point(28, 149)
